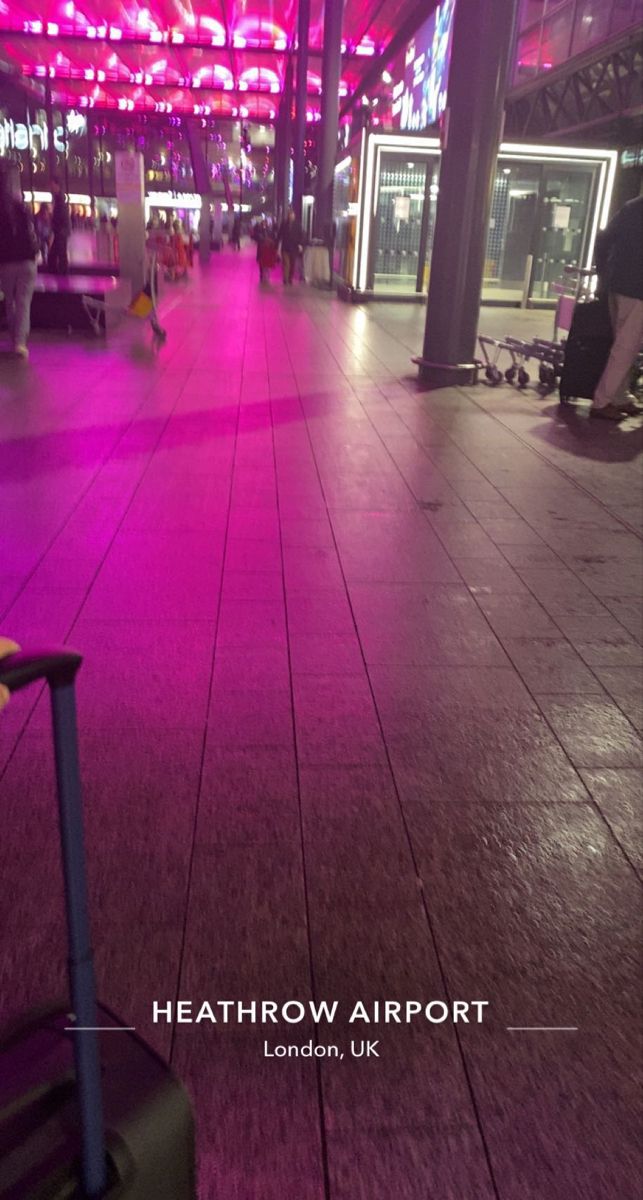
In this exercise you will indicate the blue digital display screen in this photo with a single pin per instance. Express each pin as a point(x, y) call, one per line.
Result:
point(420, 98)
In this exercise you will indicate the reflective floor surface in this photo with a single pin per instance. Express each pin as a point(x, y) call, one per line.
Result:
point(359, 716)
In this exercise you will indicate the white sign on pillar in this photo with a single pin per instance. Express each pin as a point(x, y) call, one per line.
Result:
point(130, 197)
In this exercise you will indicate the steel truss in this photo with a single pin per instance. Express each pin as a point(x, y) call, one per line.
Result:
point(580, 95)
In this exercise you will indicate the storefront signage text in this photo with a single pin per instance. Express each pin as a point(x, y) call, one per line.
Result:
point(35, 137)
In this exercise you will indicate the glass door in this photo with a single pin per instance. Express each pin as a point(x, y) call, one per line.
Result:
point(397, 228)
point(563, 224)
point(512, 227)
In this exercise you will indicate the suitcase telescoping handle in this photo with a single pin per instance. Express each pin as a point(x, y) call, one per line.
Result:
point(59, 669)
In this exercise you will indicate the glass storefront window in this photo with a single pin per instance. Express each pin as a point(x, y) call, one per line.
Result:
point(511, 228)
point(551, 31)
point(592, 24)
point(532, 11)
point(539, 225)
point(626, 13)
point(561, 230)
point(528, 55)
point(398, 234)
point(556, 37)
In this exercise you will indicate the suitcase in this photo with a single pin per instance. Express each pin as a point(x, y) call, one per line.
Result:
point(87, 1109)
point(587, 350)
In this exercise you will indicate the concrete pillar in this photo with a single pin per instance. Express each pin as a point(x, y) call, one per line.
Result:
point(204, 230)
point(130, 197)
point(482, 40)
point(286, 135)
point(299, 136)
point(327, 143)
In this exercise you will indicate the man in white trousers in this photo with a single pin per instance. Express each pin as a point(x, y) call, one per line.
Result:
point(619, 259)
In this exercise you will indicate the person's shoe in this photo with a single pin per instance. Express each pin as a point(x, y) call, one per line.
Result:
point(22, 352)
point(609, 413)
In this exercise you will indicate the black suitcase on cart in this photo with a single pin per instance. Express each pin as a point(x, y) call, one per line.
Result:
point(87, 1109)
point(587, 350)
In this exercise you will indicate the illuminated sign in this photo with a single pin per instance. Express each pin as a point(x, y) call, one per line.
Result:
point(632, 157)
point(421, 97)
point(35, 137)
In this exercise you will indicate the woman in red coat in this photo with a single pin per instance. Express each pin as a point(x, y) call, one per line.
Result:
point(266, 252)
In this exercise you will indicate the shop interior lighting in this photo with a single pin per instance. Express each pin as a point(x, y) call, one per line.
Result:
point(606, 160)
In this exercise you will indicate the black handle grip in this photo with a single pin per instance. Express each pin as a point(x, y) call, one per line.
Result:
point(58, 666)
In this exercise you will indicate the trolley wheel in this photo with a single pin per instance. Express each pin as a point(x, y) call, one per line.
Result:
point(547, 377)
point(523, 377)
point(510, 374)
point(493, 375)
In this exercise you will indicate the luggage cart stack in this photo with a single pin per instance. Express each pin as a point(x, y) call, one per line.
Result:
point(547, 355)
point(576, 286)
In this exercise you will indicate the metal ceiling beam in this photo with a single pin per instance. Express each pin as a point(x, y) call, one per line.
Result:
point(188, 43)
point(183, 85)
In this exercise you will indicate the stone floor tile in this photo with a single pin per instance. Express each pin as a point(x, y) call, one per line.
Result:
point(619, 796)
point(561, 593)
point(514, 616)
point(593, 731)
point(550, 665)
point(465, 753)
point(625, 686)
point(258, 1119)
point(567, 961)
point(376, 1164)
point(601, 641)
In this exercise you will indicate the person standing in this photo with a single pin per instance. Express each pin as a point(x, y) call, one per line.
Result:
point(58, 262)
point(291, 242)
point(18, 250)
point(619, 260)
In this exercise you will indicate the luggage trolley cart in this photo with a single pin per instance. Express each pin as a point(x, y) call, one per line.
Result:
point(143, 307)
point(492, 348)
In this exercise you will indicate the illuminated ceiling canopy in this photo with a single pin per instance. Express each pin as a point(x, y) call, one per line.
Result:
point(222, 57)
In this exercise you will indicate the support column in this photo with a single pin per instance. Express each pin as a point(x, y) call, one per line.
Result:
point(277, 166)
point(286, 130)
point(130, 197)
point(327, 146)
point(299, 136)
point(482, 39)
point(51, 149)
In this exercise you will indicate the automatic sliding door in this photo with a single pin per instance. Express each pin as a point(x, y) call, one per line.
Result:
point(397, 228)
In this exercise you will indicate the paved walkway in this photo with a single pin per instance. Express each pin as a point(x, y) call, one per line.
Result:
point(358, 717)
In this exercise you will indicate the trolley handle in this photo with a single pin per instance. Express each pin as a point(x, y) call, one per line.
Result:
point(58, 666)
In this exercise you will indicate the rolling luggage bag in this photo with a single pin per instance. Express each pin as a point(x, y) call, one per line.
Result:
point(587, 350)
point(87, 1109)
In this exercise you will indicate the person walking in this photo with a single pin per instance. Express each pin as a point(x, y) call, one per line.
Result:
point(235, 236)
point(266, 250)
point(290, 240)
point(619, 261)
point(58, 262)
point(43, 230)
point(18, 250)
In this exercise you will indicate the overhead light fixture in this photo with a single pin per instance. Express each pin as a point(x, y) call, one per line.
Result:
point(387, 77)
